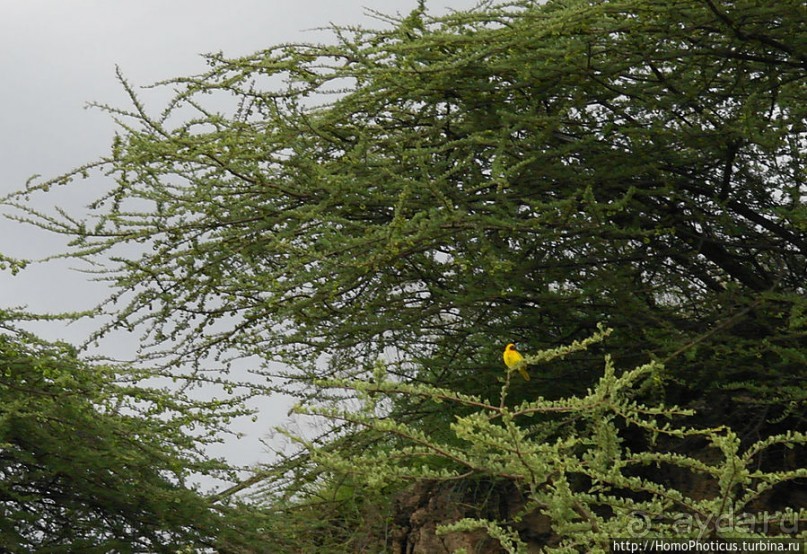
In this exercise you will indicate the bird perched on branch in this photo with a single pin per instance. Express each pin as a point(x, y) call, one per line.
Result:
point(514, 360)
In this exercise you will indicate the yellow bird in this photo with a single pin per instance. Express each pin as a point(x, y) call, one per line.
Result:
point(514, 360)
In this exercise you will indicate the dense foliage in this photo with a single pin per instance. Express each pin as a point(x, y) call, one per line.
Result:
point(578, 477)
point(90, 461)
point(427, 193)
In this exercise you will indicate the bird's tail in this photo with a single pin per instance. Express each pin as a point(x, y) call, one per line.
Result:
point(523, 371)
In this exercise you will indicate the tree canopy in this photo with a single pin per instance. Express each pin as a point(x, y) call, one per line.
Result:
point(91, 461)
point(475, 178)
point(428, 192)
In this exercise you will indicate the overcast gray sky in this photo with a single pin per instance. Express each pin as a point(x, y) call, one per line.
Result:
point(58, 55)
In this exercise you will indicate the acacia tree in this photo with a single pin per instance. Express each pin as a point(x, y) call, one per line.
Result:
point(478, 177)
point(431, 191)
point(516, 173)
point(92, 462)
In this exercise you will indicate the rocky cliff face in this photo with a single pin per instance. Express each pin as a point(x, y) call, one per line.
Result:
point(418, 513)
point(420, 510)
